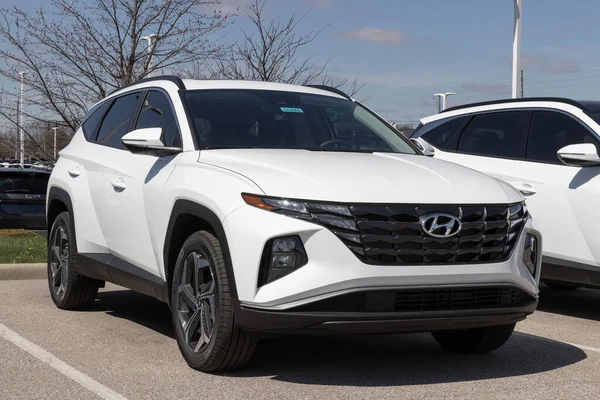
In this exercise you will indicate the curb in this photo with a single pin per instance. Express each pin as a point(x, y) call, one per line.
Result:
point(10, 272)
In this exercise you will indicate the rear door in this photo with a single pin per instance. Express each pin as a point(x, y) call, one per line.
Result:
point(97, 159)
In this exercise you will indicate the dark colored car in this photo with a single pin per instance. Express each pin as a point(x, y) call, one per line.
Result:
point(23, 198)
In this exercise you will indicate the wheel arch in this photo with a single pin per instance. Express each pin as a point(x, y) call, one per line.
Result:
point(58, 201)
point(186, 218)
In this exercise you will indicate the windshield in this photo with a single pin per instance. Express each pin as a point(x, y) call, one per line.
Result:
point(288, 120)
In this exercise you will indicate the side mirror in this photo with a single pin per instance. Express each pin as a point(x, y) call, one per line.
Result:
point(425, 147)
point(147, 141)
point(579, 155)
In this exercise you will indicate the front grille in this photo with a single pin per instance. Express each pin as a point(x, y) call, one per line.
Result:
point(422, 300)
point(392, 234)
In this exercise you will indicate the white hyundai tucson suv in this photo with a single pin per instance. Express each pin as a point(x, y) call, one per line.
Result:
point(547, 148)
point(257, 208)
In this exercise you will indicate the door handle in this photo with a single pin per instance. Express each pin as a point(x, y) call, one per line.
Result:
point(74, 172)
point(119, 184)
point(525, 189)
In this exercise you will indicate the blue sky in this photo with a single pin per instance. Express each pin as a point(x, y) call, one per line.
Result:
point(407, 50)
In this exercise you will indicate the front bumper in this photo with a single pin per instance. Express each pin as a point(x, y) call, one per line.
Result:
point(316, 324)
point(333, 270)
point(303, 320)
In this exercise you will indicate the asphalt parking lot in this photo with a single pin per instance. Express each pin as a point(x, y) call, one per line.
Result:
point(124, 348)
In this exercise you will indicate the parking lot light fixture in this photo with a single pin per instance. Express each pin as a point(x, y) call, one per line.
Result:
point(20, 120)
point(151, 40)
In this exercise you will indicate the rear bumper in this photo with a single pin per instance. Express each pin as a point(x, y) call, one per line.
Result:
point(298, 321)
point(22, 221)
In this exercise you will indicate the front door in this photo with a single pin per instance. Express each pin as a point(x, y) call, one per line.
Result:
point(560, 198)
point(137, 189)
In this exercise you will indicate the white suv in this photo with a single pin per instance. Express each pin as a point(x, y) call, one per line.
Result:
point(547, 148)
point(256, 208)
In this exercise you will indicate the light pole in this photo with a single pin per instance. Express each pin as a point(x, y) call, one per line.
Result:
point(516, 67)
point(442, 100)
point(151, 40)
point(55, 128)
point(20, 120)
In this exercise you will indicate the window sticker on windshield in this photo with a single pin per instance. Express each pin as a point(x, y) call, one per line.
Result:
point(292, 110)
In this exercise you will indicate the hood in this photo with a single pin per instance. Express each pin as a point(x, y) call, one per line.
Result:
point(361, 177)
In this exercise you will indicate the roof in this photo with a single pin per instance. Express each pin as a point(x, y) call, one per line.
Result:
point(199, 84)
point(26, 170)
point(590, 107)
point(518, 100)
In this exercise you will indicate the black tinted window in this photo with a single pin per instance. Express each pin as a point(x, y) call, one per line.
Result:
point(157, 113)
point(117, 121)
point(22, 183)
point(550, 131)
point(445, 136)
point(93, 119)
point(499, 134)
point(288, 120)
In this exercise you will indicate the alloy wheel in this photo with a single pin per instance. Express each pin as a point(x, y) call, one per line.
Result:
point(197, 301)
point(59, 260)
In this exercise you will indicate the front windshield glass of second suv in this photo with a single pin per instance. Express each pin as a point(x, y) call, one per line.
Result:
point(269, 119)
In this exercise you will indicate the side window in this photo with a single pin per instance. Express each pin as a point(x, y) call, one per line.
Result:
point(498, 134)
point(117, 121)
point(93, 119)
point(157, 113)
point(550, 131)
point(445, 135)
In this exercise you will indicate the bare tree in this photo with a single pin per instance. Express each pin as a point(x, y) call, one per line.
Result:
point(270, 51)
point(82, 50)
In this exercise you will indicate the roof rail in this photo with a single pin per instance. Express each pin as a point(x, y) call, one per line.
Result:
point(171, 78)
point(330, 89)
point(519, 100)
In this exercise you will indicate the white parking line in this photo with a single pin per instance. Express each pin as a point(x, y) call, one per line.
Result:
point(579, 346)
point(62, 367)
point(582, 347)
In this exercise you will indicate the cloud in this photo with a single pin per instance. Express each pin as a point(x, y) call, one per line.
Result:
point(486, 88)
point(376, 35)
point(530, 61)
point(560, 67)
point(547, 66)
point(321, 3)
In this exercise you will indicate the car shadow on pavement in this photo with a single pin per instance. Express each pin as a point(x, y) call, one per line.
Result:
point(580, 303)
point(399, 360)
point(371, 360)
point(137, 308)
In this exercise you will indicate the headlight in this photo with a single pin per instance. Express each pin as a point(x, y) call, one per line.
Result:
point(296, 208)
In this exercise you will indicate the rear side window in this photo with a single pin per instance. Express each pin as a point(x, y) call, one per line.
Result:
point(117, 121)
point(157, 113)
point(93, 119)
point(550, 131)
point(23, 183)
point(445, 135)
point(499, 134)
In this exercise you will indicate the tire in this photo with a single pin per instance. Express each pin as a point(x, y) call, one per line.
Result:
point(561, 285)
point(69, 290)
point(477, 340)
point(202, 309)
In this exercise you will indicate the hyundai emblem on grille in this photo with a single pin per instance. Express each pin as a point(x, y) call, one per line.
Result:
point(440, 225)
